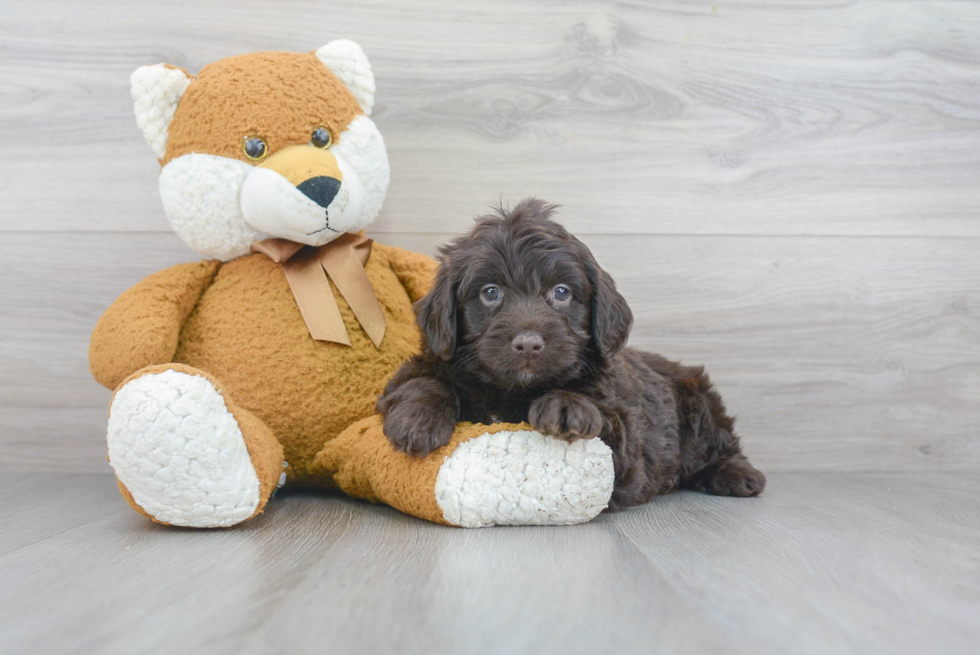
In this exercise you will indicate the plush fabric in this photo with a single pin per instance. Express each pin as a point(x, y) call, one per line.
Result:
point(221, 393)
point(157, 90)
point(248, 332)
point(277, 96)
point(201, 197)
point(180, 452)
point(265, 453)
point(501, 474)
point(349, 63)
point(143, 325)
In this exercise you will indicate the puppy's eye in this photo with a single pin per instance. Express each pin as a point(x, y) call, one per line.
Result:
point(490, 294)
point(254, 148)
point(321, 137)
point(561, 293)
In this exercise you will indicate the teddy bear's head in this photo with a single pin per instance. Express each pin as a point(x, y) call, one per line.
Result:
point(270, 144)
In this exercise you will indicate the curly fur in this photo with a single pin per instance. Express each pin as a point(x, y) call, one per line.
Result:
point(522, 324)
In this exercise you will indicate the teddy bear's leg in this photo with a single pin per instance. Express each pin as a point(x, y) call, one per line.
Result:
point(184, 454)
point(488, 475)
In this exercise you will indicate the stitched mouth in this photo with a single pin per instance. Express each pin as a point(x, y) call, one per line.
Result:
point(325, 227)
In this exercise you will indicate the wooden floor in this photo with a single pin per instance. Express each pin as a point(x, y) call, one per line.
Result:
point(821, 563)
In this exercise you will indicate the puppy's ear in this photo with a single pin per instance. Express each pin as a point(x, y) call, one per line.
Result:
point(435, 313)
point(611, 315)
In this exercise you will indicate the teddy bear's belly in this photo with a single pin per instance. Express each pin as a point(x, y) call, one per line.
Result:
point(248, 332)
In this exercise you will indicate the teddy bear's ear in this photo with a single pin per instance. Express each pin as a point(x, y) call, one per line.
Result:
point(349, 63)
point(156, 91)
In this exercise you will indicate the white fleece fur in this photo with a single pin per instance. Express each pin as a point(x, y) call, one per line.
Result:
point(156, 90)
point(200, 196)
point(271, 204)
point(524, 478)
point(362, 148)
point(349, 63)
point(180, 452)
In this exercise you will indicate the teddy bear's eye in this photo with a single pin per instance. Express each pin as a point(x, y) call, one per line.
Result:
point(321, 137)
point(254, 148)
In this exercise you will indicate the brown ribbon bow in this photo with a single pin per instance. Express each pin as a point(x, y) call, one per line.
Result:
point(306, 269)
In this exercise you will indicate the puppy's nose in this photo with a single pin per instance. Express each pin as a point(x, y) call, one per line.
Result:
point(528, 343)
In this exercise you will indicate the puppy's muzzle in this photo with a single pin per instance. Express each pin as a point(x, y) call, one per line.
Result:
point(528, 344)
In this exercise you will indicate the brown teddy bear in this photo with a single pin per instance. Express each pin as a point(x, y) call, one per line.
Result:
point(261, 366)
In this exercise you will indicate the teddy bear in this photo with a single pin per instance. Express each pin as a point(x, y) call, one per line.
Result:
point(260, 366)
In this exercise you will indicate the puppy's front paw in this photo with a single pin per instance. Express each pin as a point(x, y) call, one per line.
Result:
point(419, 416)
point(566, 415)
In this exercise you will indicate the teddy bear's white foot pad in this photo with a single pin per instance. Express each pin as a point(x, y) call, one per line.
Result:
point(180, 452)
point(524, 478)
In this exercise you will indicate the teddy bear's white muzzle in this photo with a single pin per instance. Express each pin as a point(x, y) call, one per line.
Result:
point(314, 211)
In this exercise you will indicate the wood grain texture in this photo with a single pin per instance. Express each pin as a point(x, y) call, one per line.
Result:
point(786, 191)
point(824, 117)
point(835, 353)
point(821, 563)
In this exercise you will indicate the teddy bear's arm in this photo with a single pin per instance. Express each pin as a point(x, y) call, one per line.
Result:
point(414, 270)
point(142, 326)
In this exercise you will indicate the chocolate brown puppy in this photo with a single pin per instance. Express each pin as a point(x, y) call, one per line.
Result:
point(522, 324)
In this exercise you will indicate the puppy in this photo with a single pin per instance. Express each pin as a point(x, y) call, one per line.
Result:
point(521, 324)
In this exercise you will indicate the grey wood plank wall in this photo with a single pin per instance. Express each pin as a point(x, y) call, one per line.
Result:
point(787, 192)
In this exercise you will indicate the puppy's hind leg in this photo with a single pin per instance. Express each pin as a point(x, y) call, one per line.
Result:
point(731, 476)
point(712, 456)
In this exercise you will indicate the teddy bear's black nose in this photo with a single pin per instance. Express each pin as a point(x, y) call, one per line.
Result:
point(321, 189)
